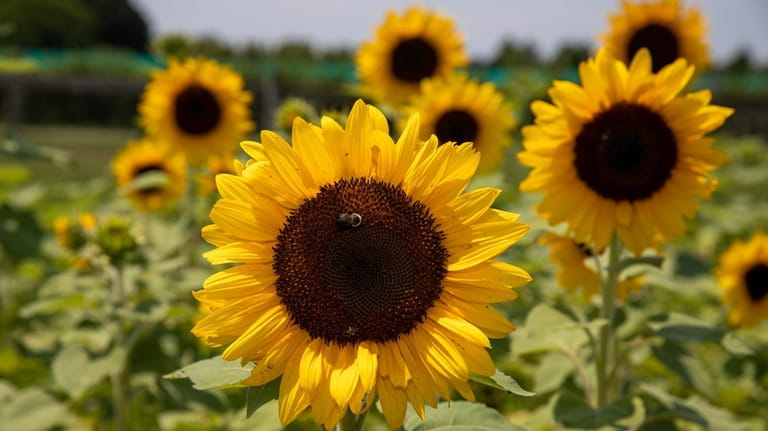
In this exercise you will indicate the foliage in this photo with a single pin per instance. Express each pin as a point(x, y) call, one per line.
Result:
point(74, 23)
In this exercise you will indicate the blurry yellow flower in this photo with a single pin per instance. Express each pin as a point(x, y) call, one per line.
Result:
point(151, 175)
point(576, 271)
point(664, 27)
point(198, 106)
point(742, 273)
point(458, 109)
point(406, 49)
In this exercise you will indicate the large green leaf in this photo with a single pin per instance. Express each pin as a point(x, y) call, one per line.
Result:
point(736, 345)
point(574, 412)
point(690, 368)
point(695, 409)
point(501, 382)
point(74, 371)
point(683, 328)
point(212, 373)
point(551, 372)
point(20, 233)
point(460, 416)
point(31, 409)
point(546, 328)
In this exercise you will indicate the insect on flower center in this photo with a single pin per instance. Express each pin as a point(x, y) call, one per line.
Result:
point(756, 281)
point(625, 153)
point(196, 110)
point(361, 260)
point(456, 126)
point(660, 40)
point(413, 60)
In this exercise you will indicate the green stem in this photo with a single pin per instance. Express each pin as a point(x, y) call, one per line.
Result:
point(604, 358)
point(118, 378)
point(351, 421)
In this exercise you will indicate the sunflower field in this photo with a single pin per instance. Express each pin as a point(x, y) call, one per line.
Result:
point(410, 241)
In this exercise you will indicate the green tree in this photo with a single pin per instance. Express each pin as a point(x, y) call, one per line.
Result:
point(513, 53)
point(48, 23)
point(119, 25)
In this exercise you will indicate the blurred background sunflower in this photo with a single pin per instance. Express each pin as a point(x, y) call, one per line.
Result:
point(666, 28)
point(406, 49)
point(151, 175)
point(198, 106)
point(742, 273)
point(459, 109)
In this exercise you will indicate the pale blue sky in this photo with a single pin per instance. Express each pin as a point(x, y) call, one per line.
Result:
point(733, 24)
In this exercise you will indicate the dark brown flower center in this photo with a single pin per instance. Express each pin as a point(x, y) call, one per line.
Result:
point(361, 260)
point(413, 60)
point(457, 126)
point(756, 281)
point(196, 110)
point(625, 153)
point(660, 40)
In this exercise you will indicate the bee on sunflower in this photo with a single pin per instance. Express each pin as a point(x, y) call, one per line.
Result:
point(364, 268)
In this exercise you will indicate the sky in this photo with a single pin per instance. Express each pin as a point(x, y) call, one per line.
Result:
point(732, 24)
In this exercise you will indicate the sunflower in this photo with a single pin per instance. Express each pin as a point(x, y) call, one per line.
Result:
point(152, 175)
point(664, 27)
point(458, 110)
point(198, 106)
point(407, 49)
point(742, 273)
point(575, 271)
point(624, 153)
point(365, 270)
point(71, 235)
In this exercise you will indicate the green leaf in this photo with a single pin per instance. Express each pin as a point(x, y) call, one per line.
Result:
point(42, 306)
point(502, 382)
point(69, 365)
point(212, 373)
point(717, 418)
point(460, 416)
point(256, 397)
point(20, 234)
point(32, 409)
point(676, 406)
point(546, 328)
point(655, 261)
point(573, 412)
point(683, 328)
point(154, 179)
point(551, 372)
point(683, 409)
point(735, 345)
point(687, 366)
point(67, 369)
